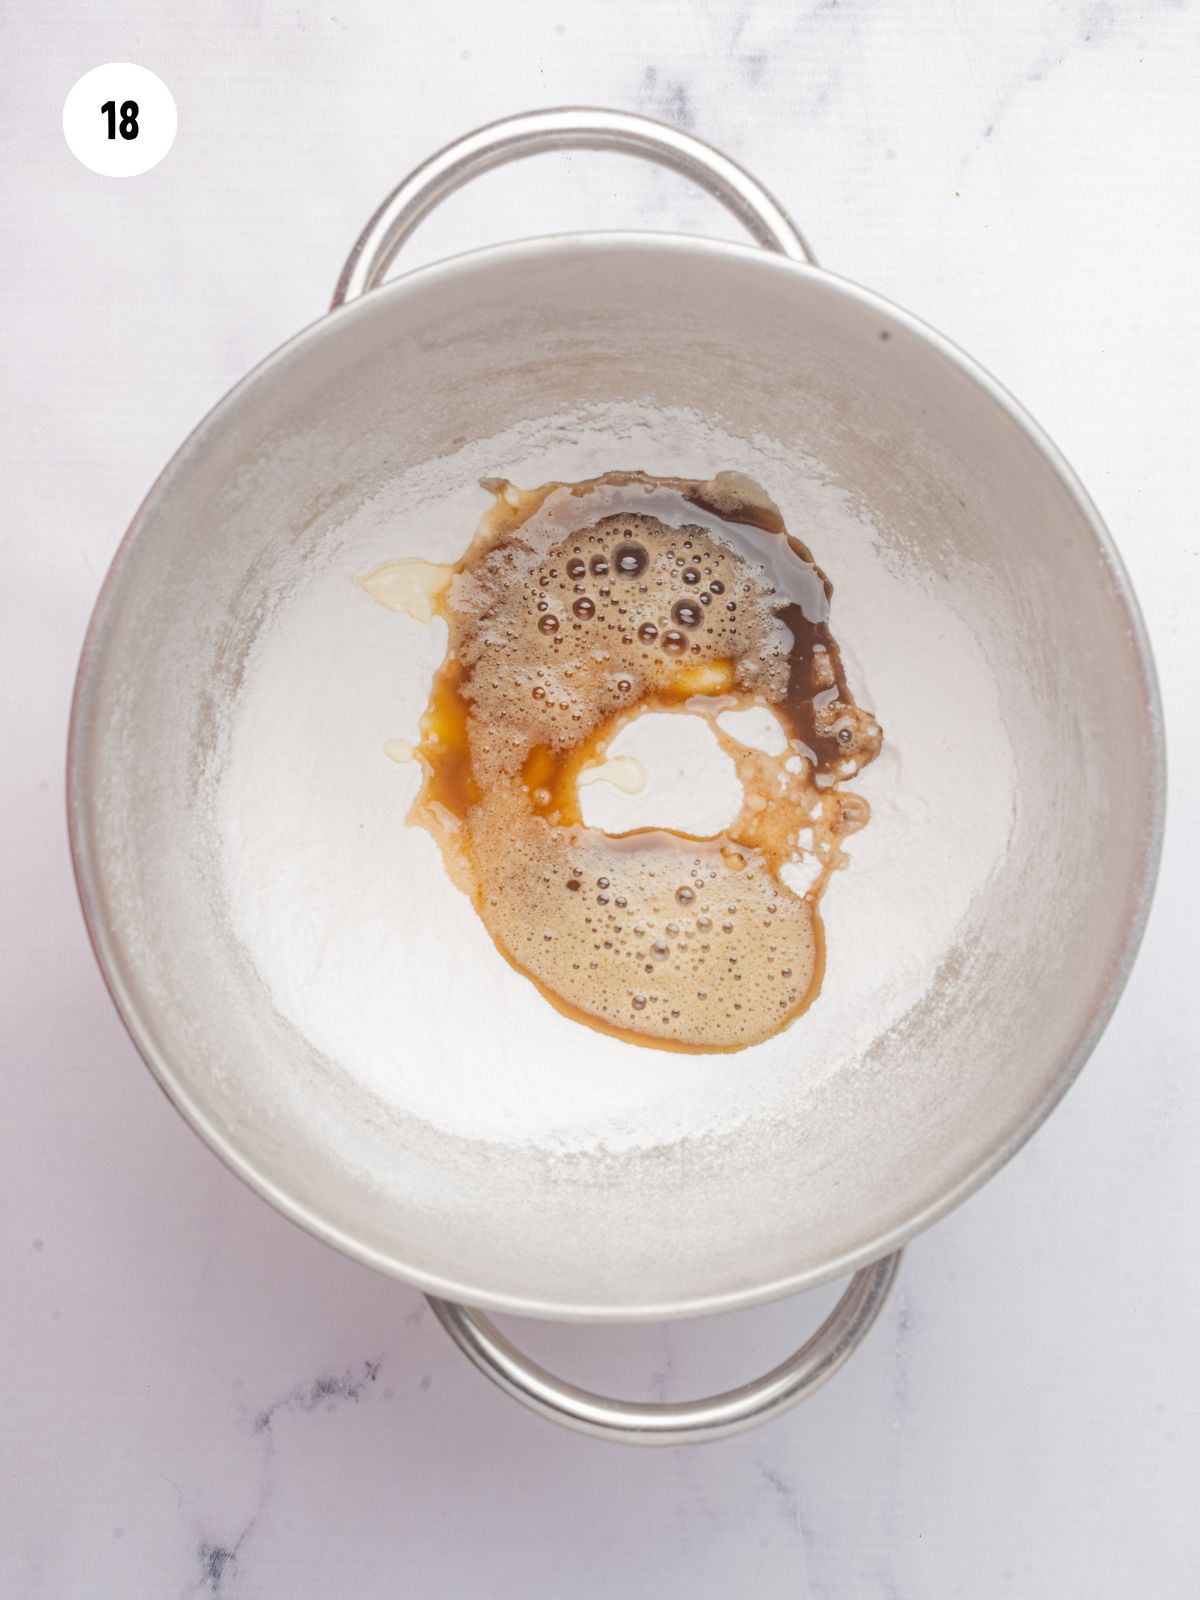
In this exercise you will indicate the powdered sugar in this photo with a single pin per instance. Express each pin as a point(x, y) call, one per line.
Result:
point(370, 952)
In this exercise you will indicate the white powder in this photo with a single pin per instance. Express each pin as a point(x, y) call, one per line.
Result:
point(371, 954)
point(691, 784)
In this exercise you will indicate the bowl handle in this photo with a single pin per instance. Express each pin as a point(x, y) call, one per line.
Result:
point(678, 1421)
point(568, 128)
point(511, 139)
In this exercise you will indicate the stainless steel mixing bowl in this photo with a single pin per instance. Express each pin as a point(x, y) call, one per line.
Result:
point(971, 495)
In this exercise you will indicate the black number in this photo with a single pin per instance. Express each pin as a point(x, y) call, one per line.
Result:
point(129, 116)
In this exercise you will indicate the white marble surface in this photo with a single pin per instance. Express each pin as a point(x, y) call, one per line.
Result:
point(196, 1399)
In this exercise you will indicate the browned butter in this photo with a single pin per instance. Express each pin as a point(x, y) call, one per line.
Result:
point(576, 608)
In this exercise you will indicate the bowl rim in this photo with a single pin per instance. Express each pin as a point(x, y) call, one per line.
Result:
point(88, 875)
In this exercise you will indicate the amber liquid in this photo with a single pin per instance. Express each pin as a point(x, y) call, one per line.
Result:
point(575, 609)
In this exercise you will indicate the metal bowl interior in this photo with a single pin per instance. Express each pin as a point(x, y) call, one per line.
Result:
point(361, 439)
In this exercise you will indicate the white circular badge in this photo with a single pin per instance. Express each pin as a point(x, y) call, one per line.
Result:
point(120, 120)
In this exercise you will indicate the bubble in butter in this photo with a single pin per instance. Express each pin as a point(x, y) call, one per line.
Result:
point(576, 608)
